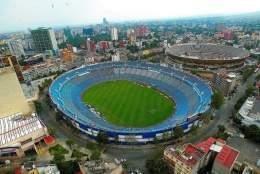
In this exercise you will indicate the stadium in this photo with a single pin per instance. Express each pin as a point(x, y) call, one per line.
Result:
point(209, 57)
point(190, 96)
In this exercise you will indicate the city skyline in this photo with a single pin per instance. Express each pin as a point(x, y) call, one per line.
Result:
point(20, 15)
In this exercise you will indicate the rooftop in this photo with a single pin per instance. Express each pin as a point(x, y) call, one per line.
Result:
point(227, 156)
point(49, 140)
point(207, 51)
point(211, 144)
point(190, 155)
point(14, 127)
point(251, 109)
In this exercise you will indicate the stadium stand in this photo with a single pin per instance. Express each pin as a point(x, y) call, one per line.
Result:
point(191, 95)
point(206, 56)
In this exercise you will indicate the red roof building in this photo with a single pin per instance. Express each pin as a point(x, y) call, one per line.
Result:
point(205, 145)
point(18, 170)
point(190, 158)
point(49, 140)
point(186, 160)
point(103, 45)
point(225, 160)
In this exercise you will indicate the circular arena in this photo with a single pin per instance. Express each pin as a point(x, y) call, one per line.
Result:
point(206, 56)
point(190, 94)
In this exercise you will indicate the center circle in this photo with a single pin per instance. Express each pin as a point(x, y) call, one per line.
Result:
point(128, 103)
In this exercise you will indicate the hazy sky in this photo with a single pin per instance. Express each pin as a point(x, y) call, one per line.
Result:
point(22, 14)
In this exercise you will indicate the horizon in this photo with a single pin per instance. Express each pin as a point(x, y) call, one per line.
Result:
point(15, 16)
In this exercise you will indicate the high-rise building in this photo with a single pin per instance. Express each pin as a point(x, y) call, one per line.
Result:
point(114, 34)
point(88, 31)
point(131, 35)
point(105, 22)
point(28, 43)
point(4, 49)
point(67, 55)
point(228, 35)
point(60, 37)
point(224, 81)
point(16, 48)
point(90, 45)
point(44, 39)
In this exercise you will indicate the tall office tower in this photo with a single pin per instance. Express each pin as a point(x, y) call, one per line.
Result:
point(16, 48)
point(88, 31)
point(105, 22)
point(114, 34)
point(44, 39)
point(90, 45)
point(228, 35)
point(28, 43)
point(131, 35)
point(11, 61)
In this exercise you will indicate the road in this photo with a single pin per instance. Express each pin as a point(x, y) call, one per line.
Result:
point(137, 156)
point(223, 114)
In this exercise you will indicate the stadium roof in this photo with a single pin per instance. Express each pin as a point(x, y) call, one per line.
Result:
point(13, 128)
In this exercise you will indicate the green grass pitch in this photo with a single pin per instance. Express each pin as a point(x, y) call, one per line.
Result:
point(129, 104)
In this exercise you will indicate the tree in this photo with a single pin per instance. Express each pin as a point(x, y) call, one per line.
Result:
point(247, 73)
point(51, 131)
point(258, 77)
point(58, 158)
point(70, 142)
point(250, 89)
point(91, 146)
point(251, 131)
point(101, 37)
point(95, 155)
point(217, 99)
point(221, 132)
point(58, 116)
point(102, 138)
point(156, 140)
point(205, 118)
point(68, 167)
point(125, 165)
point(194, 129)
point(221, 128)
point(240, 102)
point(132, 48)
point(155, 163)
point(178, 132)
point(116, 140)
point(38, 106)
